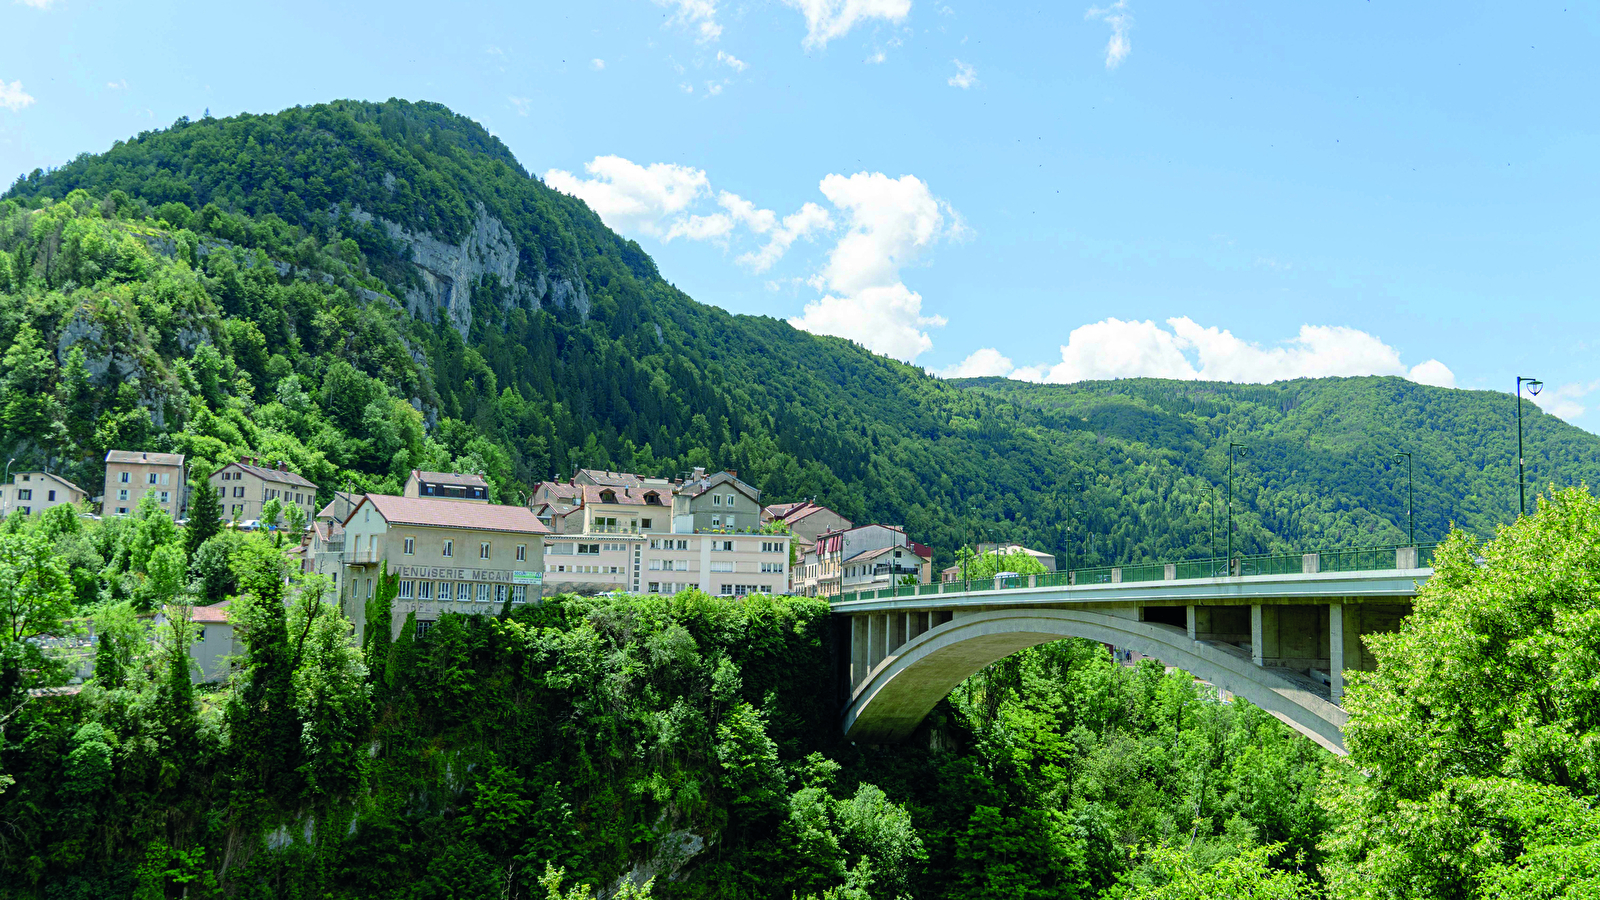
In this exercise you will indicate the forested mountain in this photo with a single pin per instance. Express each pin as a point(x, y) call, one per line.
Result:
point(364, 288)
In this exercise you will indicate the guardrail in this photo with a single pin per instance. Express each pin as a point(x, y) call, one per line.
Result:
point(1365, 559)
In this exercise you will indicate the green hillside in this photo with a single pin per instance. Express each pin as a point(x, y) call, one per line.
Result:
point(256, 283)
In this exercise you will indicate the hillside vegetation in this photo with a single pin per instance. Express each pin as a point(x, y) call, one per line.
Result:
point(250, 283)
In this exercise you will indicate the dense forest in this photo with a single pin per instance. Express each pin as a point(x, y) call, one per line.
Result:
point(277, 285)
point(270, 284)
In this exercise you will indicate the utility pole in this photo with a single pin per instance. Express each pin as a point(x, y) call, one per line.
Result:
point(1212, 490)
point(1534, 387)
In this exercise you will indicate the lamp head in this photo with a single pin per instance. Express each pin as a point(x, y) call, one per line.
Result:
point(1534, 387)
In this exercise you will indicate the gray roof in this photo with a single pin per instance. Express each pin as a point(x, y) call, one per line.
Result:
point(268, 473)
point(142, 457)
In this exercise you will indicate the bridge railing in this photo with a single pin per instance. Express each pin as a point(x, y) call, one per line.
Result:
point(1364, 559)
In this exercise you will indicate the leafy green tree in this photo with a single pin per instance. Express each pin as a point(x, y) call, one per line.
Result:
point(205, 512)
point(1487, 680)
point(1173, 874)
point(35, 603)
point(30, 409)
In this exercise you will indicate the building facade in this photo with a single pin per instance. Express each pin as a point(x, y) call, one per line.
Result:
point(1048, 560)
point(446, 486)
point(31, 493)
point(864, 558)
point(807, 519)
point(449, 556)
point(615, 531)
point(133, 474)
point(244, 487)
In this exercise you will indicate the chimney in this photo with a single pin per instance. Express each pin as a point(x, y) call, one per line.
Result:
point(734, 472)
point(283, 466)
point(699, 472)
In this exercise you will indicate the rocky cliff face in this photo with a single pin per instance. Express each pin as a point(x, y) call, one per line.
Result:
point(448, 272)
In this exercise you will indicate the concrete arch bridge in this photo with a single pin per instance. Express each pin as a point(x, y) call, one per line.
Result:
point(1279, 631)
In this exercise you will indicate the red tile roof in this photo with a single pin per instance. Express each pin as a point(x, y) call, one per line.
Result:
point(435, 513)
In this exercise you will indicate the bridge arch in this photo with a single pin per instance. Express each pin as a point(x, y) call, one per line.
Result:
point(901, 690)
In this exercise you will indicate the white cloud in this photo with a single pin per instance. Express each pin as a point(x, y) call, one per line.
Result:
point(829, 19)
point(1117, 16)
point(118, 85)
point(523, 104)
point(1185, 350)
point(876, 58)
point(985, 361)
point(698, 15)
point(13, 97)
point(38, 4)
point(1566, 401)
point(803, 223)
point(713, 88)
point(965, 76)
point(1432, 372)
point(631, 198)
point(734, 62)
point(597, 64)
point(890, 222)
point(716, 226)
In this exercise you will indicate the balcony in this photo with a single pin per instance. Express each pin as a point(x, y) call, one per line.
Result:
point(363, 556)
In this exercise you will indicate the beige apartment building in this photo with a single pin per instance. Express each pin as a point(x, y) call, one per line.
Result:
point(450, 557)
point(614, 531)
point(34, 492)
point(446, 486)
point(807, 519)
point(244, 487)
point(131, 474)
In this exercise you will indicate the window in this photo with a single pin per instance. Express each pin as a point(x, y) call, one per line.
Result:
point(655, 565)
point(423, 628)
point(522, 552)
point(519, 593)
point(406, 589)
point(716, 521)
point(152, 478)
point(445, 589)
point(52, 495)
point(655, 543)
point(722, 567)
point(683, 545)
point(716, 499)
point(166, 496)
point(773, 568)
point(772, 546)
point(483, 550)
point(424, 590)
point(680, 565)
point(369, 588)
point(722, 545)
point(730, 500)
point(222, 492)
point(483, 593)
point(24, 494)
point(499, 593)
point(449, 548)
point(729, 521)
point(590, 549)
point(238, 509)
point(238, 492)
point(655, 587)
point(463, 591)
point(299, 498)
point(122, 510)
point(410, 547)
point(645, 524)
point(122, 494)
point(124, 478)
point(727, 590)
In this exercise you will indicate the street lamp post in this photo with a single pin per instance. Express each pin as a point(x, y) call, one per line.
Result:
point(1212, 490)
point(1234, 450)
point(1075, 484)
point(1411, 509)
point(5, 508)
point(1534, 386)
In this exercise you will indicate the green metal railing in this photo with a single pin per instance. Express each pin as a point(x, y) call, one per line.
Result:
point(1361, 559)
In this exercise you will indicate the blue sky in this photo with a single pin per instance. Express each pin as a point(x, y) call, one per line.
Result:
point(1236, 190)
